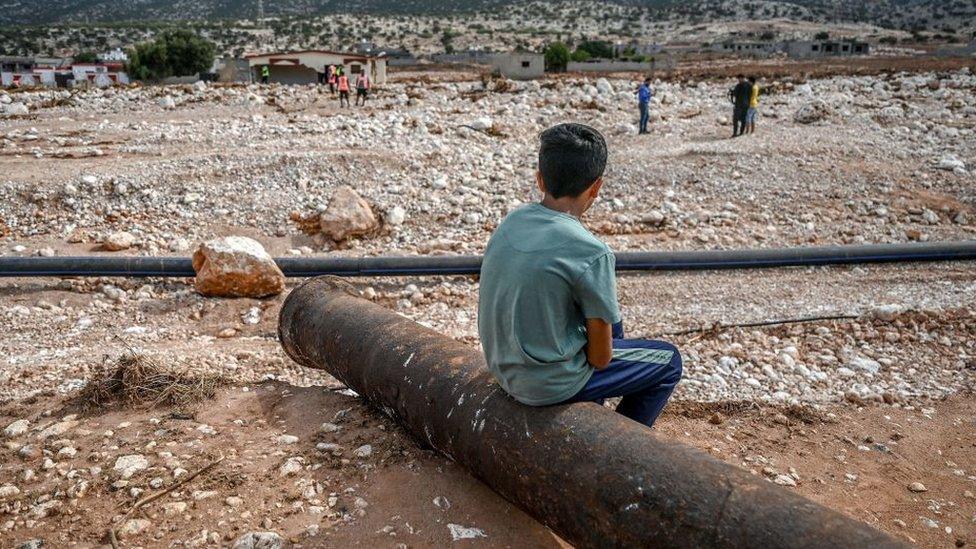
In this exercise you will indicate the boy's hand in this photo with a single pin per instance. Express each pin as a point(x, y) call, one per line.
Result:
point(599, 343)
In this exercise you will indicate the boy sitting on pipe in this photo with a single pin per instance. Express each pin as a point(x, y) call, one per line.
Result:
point(548, 316)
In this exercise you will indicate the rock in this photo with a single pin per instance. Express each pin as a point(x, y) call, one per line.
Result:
point(236, 266)
point(259, 540)
point(167, 102)
point(291, 466)
point(16, 109)
point(483, 123)
point(234, 501)
point(8, 491)
point(811, 112)
point(174, 508)
point(917, 487)
point(950, 163)
point(865, 364)
point(119, 241)
point(16, 428)
point(35, 543)
point(329, 427)
point(199, 86)
point(348, 215)
point(716, 419)
point(58, 428)
point(363, 451)
point(396, 216)
point(129, 465)
point(784, 480)
point(133, 527)
point(287, 439)
point(603, 86)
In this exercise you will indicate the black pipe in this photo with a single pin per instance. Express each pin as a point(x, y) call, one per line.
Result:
point(595, 477)
point(139, 266)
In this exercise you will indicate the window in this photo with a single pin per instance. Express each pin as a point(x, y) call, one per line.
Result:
point(525, 64)
point(355, 69)
point(816, 47)
point(846, 47)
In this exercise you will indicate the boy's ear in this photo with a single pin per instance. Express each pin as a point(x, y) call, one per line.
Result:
point(540, 182)
point(595, 187)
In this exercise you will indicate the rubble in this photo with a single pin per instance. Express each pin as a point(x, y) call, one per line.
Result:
point(236, 266)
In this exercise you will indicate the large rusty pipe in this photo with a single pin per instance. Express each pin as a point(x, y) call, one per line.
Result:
point(596, 478)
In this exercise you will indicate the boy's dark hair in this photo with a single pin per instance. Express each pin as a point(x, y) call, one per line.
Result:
point(571, 157)
point(647, 80)
point(752, 79)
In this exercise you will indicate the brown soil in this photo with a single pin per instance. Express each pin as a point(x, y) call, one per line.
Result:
point(884, 448)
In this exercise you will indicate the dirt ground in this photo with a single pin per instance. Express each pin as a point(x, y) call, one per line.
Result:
point(859, 461)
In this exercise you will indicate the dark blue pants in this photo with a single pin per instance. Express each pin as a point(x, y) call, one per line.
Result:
point(644, 372)
point(644, 117)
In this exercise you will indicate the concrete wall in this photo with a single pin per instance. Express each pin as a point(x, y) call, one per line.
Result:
point(520, 66)
point(607, 65)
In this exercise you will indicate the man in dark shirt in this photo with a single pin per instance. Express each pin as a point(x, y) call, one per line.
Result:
point(740, 96)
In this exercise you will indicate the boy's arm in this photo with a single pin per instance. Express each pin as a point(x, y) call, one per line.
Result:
point(596, 292)
point(599, 342)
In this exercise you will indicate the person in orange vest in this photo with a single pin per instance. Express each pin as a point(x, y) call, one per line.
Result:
point(331, 76)
point(362, 87)
point(343, 89)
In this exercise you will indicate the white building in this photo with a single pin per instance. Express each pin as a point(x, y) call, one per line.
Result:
point(115, 56)
point(304, 67)
point(519, 65)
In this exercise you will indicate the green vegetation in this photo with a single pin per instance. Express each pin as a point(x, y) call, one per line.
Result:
point(86, 57)
point(174, 53)
point(557, 57)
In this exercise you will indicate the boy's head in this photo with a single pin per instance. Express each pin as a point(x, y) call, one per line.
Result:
point(752, 79)
point(647, 80)
point(572, 158)
point(741, 77)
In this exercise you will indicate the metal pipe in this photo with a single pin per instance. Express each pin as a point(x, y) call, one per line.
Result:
point(596, 478)
point(139, 266)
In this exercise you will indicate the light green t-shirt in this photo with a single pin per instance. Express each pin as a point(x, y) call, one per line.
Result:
point(543, 275)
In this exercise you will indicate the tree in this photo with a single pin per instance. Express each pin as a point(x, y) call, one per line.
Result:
point(174, 53)
point(821, 35)
point(580, 55)
point(596, 48)
point(86, 57)
point(557, 57)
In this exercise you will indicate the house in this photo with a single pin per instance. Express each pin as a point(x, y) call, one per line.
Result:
point(17, 71)
point(825, 48)
point(99, 75)
point(751, 49)
point(519, 65)
point(304, 67)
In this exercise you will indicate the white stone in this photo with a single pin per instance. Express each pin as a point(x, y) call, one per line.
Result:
point(16, 428)
point(259, 540)
point(129, 465)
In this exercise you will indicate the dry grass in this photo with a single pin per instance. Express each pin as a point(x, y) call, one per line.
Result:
point(135, 380)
